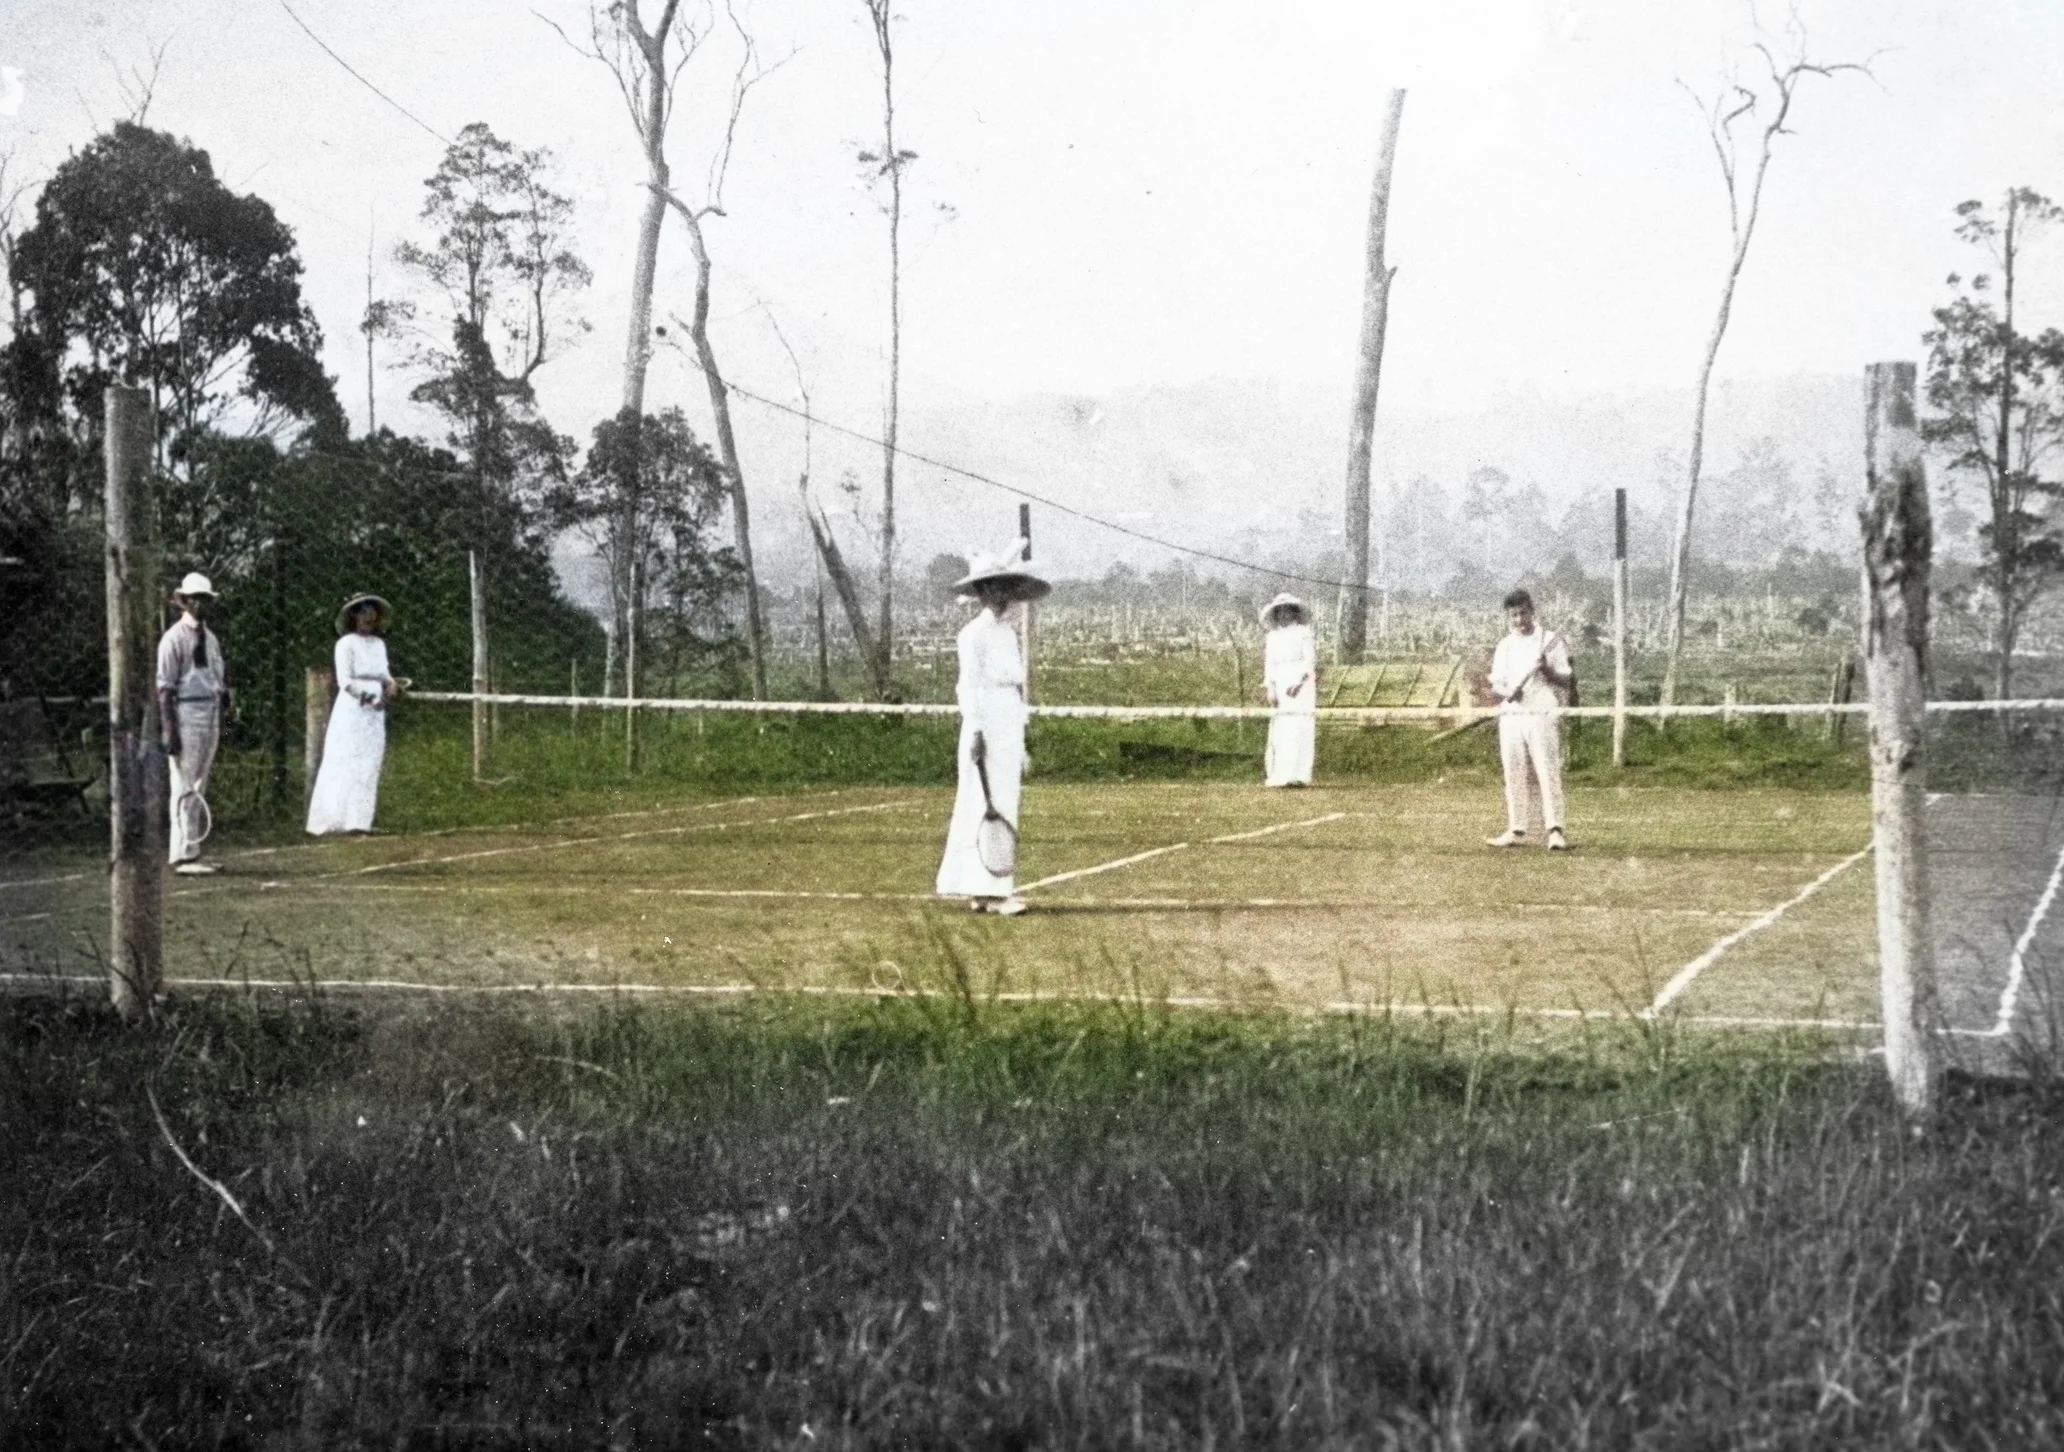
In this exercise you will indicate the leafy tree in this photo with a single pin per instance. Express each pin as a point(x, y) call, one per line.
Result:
point(1999, 400)
point(651, 487)
point(142, 268)
point(505, 274)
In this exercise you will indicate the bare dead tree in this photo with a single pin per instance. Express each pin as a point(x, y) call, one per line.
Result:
point(136, 86)
point(831, 559)
point(888, 166)
point(647, 64)
point(1765, 106)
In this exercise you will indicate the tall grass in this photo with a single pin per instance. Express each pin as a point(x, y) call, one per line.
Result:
point(948, 1223)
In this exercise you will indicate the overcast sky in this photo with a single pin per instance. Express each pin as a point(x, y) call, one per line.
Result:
point(1140, 191)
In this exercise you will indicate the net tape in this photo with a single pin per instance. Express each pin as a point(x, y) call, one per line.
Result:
point(1356, 715)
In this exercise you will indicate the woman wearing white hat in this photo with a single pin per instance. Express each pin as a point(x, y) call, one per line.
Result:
point(193, 688)
point(347, 784)
point(1290, 681)
point(980, 858)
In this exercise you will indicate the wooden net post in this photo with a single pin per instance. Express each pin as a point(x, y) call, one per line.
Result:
point(137, 784)
point(1025, 621)
point(320, 687)
point(477, 576)
point(1619, 629)
point(1898, 542)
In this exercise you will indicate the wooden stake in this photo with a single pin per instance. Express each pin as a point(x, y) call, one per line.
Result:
point(477, 575)
point(1898, 542)
point(1025, 621)
point(1619, 630)
point(1361, 425)
point(321, 693)
point(137, 784)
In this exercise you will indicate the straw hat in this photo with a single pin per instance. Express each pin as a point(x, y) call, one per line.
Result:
point(1011, 569)
point(344, 615)
point(1301, 612)
point(195, 584)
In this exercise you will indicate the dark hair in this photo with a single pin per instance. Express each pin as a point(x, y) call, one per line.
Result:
point(1519, 600)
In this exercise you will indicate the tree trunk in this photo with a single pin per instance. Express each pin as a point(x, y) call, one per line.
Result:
point(841, 577)
point(1361, 427)
point(1897, 544)
point(727, 449)
point(886, 635)
point(2006, 533)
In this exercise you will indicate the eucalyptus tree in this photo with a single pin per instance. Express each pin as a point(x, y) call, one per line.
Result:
point(1998, 397)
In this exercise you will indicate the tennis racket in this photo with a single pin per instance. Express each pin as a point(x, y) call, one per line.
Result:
point(205, 817)
point(996, 840)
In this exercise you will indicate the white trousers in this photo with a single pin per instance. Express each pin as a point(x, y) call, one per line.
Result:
point(1530, 747)
point(200, 735)
point(1292, 742)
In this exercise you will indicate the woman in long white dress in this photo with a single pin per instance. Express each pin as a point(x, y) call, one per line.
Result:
point(991, 693)
point(1290, 679)
point(347, 785)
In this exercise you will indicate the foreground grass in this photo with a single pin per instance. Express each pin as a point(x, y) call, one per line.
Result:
point(941, 1223)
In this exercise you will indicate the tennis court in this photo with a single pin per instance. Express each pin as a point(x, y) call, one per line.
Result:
point(1745, 907)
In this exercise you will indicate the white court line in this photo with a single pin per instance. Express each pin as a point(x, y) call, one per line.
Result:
point(43, 881)
point(586, 841)
point(1688, 974)
point(1153, 852)
point(1278, 827)
point(1105, 866)
point(2017, 964)
point(513, 827)
point(749, 990)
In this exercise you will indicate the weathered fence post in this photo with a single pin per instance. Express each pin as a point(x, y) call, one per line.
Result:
point(137, 785)
point(1898, 541)
point(1619, 629)
point(477, 576)
point(320, 688)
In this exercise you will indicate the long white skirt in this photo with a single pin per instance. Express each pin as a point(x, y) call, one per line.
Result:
point(961, 873)
point(1292, 742)
point(347, 785)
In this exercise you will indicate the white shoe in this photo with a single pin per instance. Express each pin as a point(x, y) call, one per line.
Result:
point(1008, 907)
point(1507, 838)
point(194, 867)
point(1556, 841)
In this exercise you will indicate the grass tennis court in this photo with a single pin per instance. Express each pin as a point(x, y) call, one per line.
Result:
point(1376, 896)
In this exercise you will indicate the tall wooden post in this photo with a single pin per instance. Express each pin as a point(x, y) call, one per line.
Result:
point(137, 785)
point(1025, 621)
point(1898, 541)
point(321, 695)
point(1361, 425)
point(633, 612)
point(476, 574)
point(1619, 629)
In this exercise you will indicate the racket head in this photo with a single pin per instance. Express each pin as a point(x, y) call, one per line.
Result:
point(202, 811)
point(996, 844)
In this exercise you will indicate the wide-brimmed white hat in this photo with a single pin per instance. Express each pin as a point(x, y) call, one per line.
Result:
point(195, 583)
point(1010, 568)
point(1286, 602)
point(344, 615)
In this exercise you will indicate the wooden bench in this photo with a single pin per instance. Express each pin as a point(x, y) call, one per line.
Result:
point(38, 772)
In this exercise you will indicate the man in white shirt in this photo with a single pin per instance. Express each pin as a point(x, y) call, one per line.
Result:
point(1531, 675)
point(193, 690)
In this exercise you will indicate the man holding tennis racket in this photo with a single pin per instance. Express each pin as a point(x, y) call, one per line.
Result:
point(193, 691)
point(981, 858)
point(1531, 675)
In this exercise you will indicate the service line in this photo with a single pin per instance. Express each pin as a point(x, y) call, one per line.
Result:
point(1688, 974)
point(1153, 852)
point(2017, 962)
point(587, 841)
